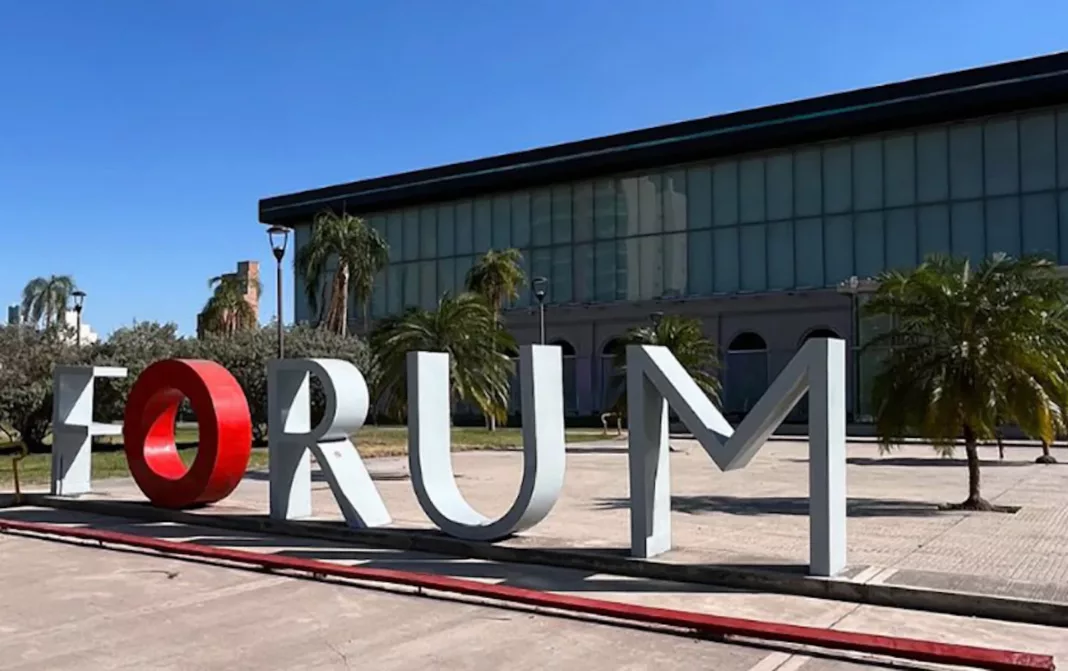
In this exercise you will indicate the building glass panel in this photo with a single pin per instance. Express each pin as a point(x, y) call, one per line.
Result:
point(1062, 152)
point(465, 239)
point(838, 243)
point(411, 285)
point(561, 278)
point(628, 216)
point(394, 288)
point(837, 178)
point(967, 235)
point(932, 166)
point(428, 233)
point(901, 241)
point(395, 235)
point(753, 257)
point(521, 220)
point(1063, 223)
point(428, 285)
point(1003, 232)
point(808, 252)
point(725, 251)
point(868, 238)
point(933, 231)
point(651, 264)
point(1039, 224)
point(483, 225)
point(411, 234)
point(965, 161)
point(1038, 152)
point(447, 229)
point(650, 205)
point(447, 276)
point(631, 249)
point(699, 263)
point(1001, 157)
point(604, 209)
point(674, 201)
point(781, 255)
point(561, 196)
point(585, 273)
point(808, 182)
point(780, 186)
point(584, 212)
point(699, 197)
point(900, 157)
point(751, 185)
point(675, 265)
point(501, 233)
point(541, 218)
point(725, 194)
point(868, 174)
point(463, 265)
point(604, 279)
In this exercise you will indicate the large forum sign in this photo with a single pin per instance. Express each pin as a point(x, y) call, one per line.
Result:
point(655, 381)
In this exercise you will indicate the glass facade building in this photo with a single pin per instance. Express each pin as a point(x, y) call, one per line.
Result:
point(795, 218)
point(749, 221)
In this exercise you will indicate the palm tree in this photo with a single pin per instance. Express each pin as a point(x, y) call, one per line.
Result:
point(684, 338)
point(360, 253)
point(970, 348)
point(465, 327)
point(497, 276)
point(228, 311)
point(46, 298)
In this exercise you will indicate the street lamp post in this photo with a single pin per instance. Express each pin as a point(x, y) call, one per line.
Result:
point(853, 286)
point(539, 285)
point(79, 302)
point(279, 237)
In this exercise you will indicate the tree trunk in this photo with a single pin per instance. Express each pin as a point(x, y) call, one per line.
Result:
point(1046, 457)
point(975, 500)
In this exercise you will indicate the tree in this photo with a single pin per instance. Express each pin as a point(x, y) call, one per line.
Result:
point(228, 311)
point(27, 361)
point(497, 276)
point(360, 253)
point(685, 339)
point(135, 348)
point(246, 353)
point(970, 347)
point(466, 328)
point(46, 298)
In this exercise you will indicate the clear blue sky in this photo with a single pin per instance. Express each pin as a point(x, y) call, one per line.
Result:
point(137, 136)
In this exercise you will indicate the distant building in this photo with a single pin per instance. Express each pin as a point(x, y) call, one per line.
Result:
point(14, 315)
point(88, 335)
point(249, 272)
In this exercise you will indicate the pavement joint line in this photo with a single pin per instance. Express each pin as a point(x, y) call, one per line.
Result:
point(882, 576)
point(970, 604)
point(866, 574)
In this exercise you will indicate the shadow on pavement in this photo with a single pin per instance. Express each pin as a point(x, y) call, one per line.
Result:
point(922, 461)
point(784, 505)
point(517, 575)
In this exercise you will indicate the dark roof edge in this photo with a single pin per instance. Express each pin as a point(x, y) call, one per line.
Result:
point(551, 163)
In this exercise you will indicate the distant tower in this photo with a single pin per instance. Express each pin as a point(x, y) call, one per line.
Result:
point(249, 273)
point(14, 315)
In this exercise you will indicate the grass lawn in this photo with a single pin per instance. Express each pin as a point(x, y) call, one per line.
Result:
point(110, 462)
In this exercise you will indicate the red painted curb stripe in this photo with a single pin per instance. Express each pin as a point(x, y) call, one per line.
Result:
point(889, 646)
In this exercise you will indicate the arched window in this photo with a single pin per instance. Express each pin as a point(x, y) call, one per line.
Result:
point(567, 351)
point(821, 332)
point(747, 372)
point(611, 382)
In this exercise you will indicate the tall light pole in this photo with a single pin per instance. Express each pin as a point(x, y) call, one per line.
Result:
point(79, 302)
point(656, 318)
point(539, 286)
point(279, 237)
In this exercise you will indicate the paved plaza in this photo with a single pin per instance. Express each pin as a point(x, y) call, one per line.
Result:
point(119, 609)
point(758, 516)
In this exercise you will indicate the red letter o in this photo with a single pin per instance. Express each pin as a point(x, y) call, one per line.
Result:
point(223, 419)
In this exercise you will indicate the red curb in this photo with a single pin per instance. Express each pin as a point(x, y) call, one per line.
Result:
point(889, 646)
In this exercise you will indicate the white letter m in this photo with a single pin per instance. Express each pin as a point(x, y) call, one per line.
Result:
point(655, 379)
